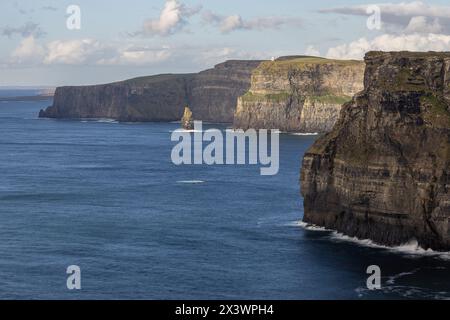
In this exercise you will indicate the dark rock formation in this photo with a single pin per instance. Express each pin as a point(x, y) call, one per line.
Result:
point(187, 122)
point(212, 95)
point(298, 93)
point(383, 172)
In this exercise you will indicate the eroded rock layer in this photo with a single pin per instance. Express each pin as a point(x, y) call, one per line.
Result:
point(383, 172)
point(301, 94)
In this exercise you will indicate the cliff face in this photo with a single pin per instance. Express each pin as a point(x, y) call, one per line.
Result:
point(212, 95)
point(383, 172)
point(303, 94)
point(159, 98)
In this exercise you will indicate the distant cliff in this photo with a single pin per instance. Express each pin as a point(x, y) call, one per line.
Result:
point(299, 93)
point(211, 94)
point(383, 172)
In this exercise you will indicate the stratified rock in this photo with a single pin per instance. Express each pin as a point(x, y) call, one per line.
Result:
point(298, 93)
point(212, 95)
point(383, 172)
point(187, 122)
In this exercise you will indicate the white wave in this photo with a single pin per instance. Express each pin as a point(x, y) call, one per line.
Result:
point(310, 227)
point(107, 121)
point(394, 278)
point(191, 181)
point(339, 237)
point(411, 248)
point(304, 133)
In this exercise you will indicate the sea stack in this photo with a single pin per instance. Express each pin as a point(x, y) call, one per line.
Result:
point(187, 122)
point(383, 172)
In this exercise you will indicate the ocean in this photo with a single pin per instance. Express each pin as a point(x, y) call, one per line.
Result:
point(106, 197)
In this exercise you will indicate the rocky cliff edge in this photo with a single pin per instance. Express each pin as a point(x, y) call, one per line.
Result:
point(383, 172)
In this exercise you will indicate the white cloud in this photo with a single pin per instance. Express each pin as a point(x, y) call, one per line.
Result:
point(85, 52)
point(173, 18)
point(402, 9)
point(411, 26)
point(390, 42)
point(28, 52)
point(422, 24)
point(231, 23)
point(138, 56)
point(73, 51)
point(414, 16)
point(235, 22)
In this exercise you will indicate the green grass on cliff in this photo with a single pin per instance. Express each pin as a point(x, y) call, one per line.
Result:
point(154, 79)
point(273, 97)
point(284, 96)
point(436, 111)
point(283, 65)
point(331, 99)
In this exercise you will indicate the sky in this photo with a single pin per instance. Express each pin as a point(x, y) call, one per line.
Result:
point(78, 42)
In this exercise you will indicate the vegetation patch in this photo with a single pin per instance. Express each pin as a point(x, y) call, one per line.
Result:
point(284, 96)
point(299, 63)
point(436, 111)
point(272, 97)
point(404, 80)
point(331, 99)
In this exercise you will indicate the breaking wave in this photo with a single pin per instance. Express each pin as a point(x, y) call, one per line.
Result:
point(107, 121)
point(310, 227)
point(411, 248)
point(304, 133)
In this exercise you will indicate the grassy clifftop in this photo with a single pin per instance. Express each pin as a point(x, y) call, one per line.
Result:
point(282, 65)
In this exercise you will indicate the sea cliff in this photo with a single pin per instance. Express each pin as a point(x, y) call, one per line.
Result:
point(211, 94)
point(300, 93)
point(383, 172)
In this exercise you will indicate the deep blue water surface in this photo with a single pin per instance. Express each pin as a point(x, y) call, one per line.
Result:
point(105, 196)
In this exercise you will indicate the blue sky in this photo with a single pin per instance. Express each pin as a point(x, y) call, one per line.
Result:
point(123, 39)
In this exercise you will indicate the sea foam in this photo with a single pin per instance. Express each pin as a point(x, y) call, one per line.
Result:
point(304, 133)
point(411, 248)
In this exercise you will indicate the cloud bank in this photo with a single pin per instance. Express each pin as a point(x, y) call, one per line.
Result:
point(227, 24)
point(412, 26)
point(415, 16)
point(84, 52)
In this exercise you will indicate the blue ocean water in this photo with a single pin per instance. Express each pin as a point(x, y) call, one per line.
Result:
point(105, 196)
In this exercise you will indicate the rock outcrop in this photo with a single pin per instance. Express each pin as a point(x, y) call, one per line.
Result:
point(212, 95)
point(187, 122)
point(299, 93)
point(383, 172)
